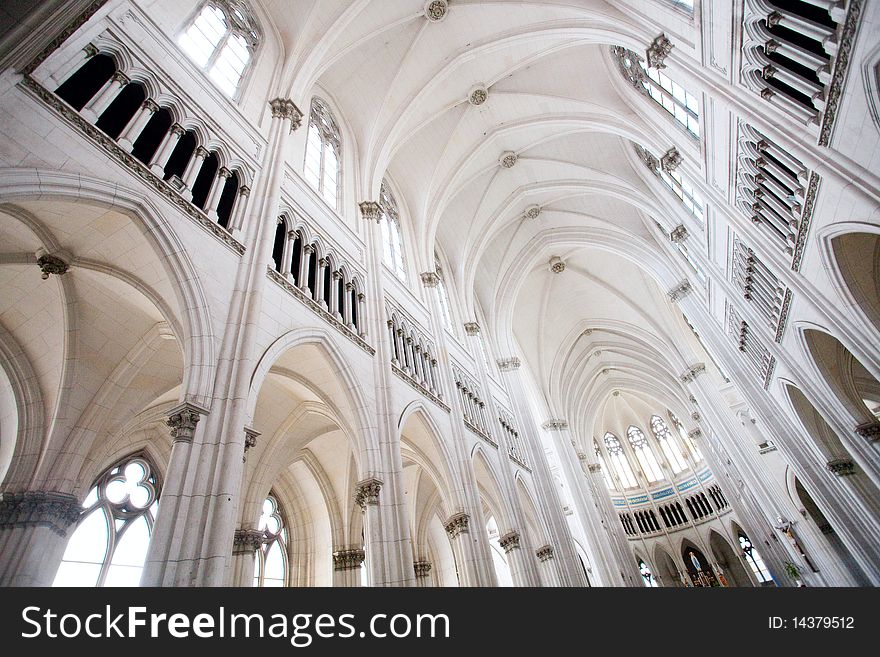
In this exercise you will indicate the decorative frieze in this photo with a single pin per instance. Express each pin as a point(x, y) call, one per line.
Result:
point(349, 559)
point(422, 568)
point(510, 541)
point(555, 424)
point(869, 430)
point(692, 372)
point(557, 266)
point(544, 553)
point(183, 420)
point(370, 210)
point(367, 492)
point(457, 524)
point(247, 541)
point(670, 160)
point(508, 364)
point(430, 279)
point(56, 511)
point(680, 291)
point(658, 51)
point(51, 264)
point(841, 467)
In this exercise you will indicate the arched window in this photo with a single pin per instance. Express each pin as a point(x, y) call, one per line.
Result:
point(648, 577)
point(653, 83)
point(270, 565)
point(443, 295)
point(644, 454)
point(391, 237)
point(667, 444)
point(685, 191)
point(603, 467)
point(754, 559)
point(621, 463)
point(112, 535)
point(322, 152)
point(221, 40)
point(685, 438)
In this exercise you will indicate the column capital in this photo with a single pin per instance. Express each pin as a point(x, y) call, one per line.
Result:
point(247, 541)
point(367, 492)
point(510, 541)
point(201, 152)
point(348, 559)
point(121, 78)
point(656, 53)
point(508, 364)
point(692, 372)
point(250, 440)
point(457, 524)
point(680, 291)
point(555, 424)
point(90, 50)
point(595, 467)
point(422, 568)
point(841, 467)
point(178, 130)
point(151, 106)
point(36, 508)
point(695, 433)
point(284, 108)
point(471, 328)
point(544, 553)
point(224, 172)
point(370, 210)
point(183, 420)
point(244, 191)
point(678, 234)
point(869, 430)
point(430, 279)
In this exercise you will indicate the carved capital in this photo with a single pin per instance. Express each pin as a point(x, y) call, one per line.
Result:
point(692, 372)
point(544, 553)
point(247, 541)
point(678, 234)
point(841, 467)
point(90, 50)
point(555, 424)
point(201, 152)
point(430, 278)
point(508, 364)
point(457, 524)
point(421, 568)
point(670, 160)
point(224, 173)
point(121, 78)
point(595, 468)
point(349, 559)
point(869, 430)
point(509, 541)
point(183, 420)
point(178, 130)
point(151, 106)
point(693, 434)
point(680, 291)
point(284, 108)
point(658, 51)
point(244, 191)
point(367, 492)
point(471, 328)
point(57, 511)
point(250, 440)
point(370, 210)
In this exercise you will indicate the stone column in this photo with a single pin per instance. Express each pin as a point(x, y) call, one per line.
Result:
point(458, 529)
point(245, 544)
point(367, 497)
point(318, 292)
point(137, 124)
point(34, 529)
point(335, 282)
point(549, 576)
point(240, 208)
point(95, 107)
point(422, 570)
point(347, 566)
point(223, 174)
point(192, 171)
point(517, 558)
point(74, 64)
point(163, 153)
point(349, 306)
point(307, 251)
point(362, 318)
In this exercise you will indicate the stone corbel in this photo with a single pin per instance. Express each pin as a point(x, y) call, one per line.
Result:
point(555, 424)
point(544, 553)
point(658, 51)
point(457, 524)
point(367, 492)
point(510, 541)
point(247, 541)
point(508, 364)
point(183, 420)
point(680, 291)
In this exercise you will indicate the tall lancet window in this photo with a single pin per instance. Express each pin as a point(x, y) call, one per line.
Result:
point(620, 461)
point(667, 444)
point(655, 84)
point(112, 535)
point(270, 565)
point(391, 236)
point(644, 454)
point(685, 438)
point(222, 40)
point(603, 466)
point(323, 148)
